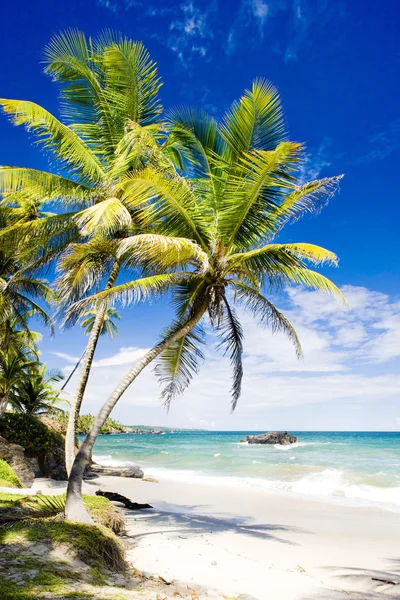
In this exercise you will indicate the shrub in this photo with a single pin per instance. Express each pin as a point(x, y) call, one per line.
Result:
point(28, 432)
point(7, 476)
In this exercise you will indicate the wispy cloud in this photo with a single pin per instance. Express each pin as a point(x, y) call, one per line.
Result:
point(380, 145)
point(318, 159)
point(190, 30)
point(186, 28)
point(251, 15)
point(298, 18)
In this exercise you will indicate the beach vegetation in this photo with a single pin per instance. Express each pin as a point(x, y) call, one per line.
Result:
point(85, 422)
point(27, 431)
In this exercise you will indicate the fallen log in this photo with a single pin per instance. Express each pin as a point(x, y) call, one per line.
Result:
point(387, 581)
point(114, 497)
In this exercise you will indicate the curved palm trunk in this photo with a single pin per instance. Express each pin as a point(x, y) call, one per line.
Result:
point(75, 509)
point(86, 367)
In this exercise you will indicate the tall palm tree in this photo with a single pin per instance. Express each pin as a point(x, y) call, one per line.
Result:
point(241, 187)
point(88, 322)
point(111, 127)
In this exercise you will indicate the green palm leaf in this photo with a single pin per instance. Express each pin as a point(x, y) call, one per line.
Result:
point(55, 136)
point(179, 362)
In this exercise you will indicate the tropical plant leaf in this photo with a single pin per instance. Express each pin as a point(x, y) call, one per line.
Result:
point(179, 362)
point(232, 344)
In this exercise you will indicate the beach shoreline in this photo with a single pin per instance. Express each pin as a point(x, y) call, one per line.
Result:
point(266, 544)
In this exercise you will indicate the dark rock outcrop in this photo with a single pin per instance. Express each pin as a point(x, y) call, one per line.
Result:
point(272, 437)
point(34, 447)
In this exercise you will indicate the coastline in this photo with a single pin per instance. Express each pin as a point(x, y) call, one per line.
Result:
point(253, 542)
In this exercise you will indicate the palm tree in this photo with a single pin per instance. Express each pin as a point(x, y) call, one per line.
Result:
point(109, 325)
point(89, 319)
point(12, 369)
point(241, 187)
point(36, 392)
point(111, 128)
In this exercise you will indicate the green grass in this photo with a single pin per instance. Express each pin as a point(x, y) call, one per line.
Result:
point(100, 509)
point(8, 478)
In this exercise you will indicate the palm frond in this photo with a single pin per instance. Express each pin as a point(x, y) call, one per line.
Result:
point(255, 122)
point(266, 313)
point(108, 216)
point(55, 136)
point(254, 192)
point(40, 186)
point(160, 251)
point(310, 252)
point(173, 205)
point(232, 344)
point(308, 197)
point(132, 292)
point(313, 280)
point(179, 362)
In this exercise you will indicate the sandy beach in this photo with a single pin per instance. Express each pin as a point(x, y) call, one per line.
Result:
point(263, 544)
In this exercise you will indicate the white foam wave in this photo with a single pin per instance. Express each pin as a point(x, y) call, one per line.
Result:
point(297, 445)
point(218, 454)
point(108, 461)
point(329, 483)
point(164, 452)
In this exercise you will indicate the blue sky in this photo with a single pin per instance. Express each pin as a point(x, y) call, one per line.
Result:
point(336, 66)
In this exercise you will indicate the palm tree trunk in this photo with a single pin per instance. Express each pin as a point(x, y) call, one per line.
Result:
point(75, 509)
point(86, 367)
point(66, 382)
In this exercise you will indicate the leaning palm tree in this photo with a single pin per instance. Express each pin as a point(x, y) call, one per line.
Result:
point(88, 322)
point(241, 187)
point(111, 127)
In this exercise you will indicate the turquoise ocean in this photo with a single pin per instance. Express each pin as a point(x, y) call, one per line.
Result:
point(360, 468)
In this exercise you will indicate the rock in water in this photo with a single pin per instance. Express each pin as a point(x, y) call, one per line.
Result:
point(272, 437)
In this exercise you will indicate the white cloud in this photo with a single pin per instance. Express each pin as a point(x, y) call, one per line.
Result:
point(125, 356)
point(68, 357)
point(350, 362)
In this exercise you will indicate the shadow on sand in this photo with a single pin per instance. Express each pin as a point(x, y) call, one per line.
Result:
point(365, 584)
point(183, 519)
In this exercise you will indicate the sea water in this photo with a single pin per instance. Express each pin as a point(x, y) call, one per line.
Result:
point(353, 467)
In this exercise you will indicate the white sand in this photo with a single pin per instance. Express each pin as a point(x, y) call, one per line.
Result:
point(268, 545)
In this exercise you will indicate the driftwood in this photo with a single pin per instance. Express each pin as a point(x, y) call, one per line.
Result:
point(114, 497)
point(387, 581)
